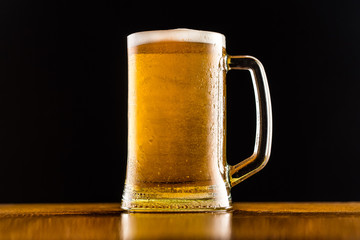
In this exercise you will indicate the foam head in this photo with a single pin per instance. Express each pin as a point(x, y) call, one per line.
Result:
point(179, 35)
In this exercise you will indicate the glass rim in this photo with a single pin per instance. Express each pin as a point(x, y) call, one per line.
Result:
point(178, 35)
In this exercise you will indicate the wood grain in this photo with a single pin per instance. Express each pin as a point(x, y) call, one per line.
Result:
point(247, 221)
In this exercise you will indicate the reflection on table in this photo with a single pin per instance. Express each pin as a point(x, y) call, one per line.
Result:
point(172, 225)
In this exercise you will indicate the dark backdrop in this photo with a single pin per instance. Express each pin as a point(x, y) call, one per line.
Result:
point(63, 95)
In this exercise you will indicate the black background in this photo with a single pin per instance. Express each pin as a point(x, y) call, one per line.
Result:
point(63, 95)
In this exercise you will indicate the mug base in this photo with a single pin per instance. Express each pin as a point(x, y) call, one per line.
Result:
point(173, 205)
point(153, 200)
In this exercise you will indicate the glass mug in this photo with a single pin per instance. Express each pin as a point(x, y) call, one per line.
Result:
point(176, 122)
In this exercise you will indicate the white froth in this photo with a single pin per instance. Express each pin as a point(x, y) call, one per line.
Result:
point(180, 34)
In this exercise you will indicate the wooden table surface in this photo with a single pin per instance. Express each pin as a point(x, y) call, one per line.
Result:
point(247, 221)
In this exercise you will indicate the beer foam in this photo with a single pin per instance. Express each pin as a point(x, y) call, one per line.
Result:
point(180, 34)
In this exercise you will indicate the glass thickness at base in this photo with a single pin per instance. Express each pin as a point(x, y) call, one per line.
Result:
point(190, 199)
point(173, 205)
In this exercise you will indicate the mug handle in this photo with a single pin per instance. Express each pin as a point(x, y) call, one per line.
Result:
point(263, 137)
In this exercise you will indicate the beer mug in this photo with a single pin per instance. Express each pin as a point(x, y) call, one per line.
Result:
point(177, 122)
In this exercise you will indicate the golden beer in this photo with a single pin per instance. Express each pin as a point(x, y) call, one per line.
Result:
point(176, 124)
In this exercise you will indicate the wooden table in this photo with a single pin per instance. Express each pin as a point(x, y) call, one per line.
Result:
point(247, 221)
